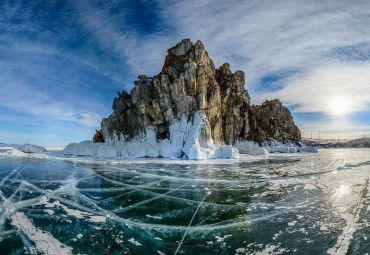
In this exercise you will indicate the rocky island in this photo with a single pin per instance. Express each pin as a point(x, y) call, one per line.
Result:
point(192, 110)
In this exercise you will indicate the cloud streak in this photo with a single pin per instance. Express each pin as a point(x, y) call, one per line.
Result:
point(301, 42)
point(66, 59)
point(313, 90)
point(263, 37)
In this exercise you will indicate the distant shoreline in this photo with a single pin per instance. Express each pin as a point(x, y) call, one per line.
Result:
point(339, 143)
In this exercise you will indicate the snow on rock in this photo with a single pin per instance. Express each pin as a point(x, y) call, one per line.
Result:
point(259, 151)
point(293, 150)
point(250, 147)
point(199, 143)
point(227, 151)
point(85, 148)
point(192, 139)
point(178, 135)
point(132, 149)
point(276, 146)
point(273, 146)
point(165, 148)
point(31, 148)
point(281, 149)
point(152, 151)
point(105, 151)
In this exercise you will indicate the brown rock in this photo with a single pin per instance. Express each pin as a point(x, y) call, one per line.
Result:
point(98, 137)
point(188, 83)
point(276, 121)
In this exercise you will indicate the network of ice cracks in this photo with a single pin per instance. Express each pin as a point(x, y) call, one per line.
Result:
point(253, 205)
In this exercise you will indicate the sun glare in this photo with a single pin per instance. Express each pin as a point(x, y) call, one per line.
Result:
point(339, 106)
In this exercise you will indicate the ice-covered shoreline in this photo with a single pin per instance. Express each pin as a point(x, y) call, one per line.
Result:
point(160, 150)
point(59, 155)
point(188, 139)
point(145, 150)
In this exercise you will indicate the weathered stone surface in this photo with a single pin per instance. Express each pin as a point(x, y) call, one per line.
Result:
point(276, 121)
point(189, 85)
point(98, 137)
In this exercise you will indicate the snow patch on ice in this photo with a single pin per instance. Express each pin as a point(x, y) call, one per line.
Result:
point(271, 249)
point(98, 219)
point(277, 235)
point(76, 213)
point(292, 223)
point(221, 239)
point(48, 211)
point(347, 200)
point(132, 240)
point(71, 212)
point(154, 217)
point(44, 241)
point(345, 238)
point(309, 186)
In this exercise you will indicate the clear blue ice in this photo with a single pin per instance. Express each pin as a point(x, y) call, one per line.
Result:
point(296, 203)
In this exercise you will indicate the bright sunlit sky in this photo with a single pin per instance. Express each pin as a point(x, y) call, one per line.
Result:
point(62, 62)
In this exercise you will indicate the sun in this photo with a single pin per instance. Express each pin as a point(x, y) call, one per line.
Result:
point(339, 105)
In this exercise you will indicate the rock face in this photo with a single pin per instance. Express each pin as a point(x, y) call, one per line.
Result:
point(192, 109)
point(98, 137)
point(276, 121)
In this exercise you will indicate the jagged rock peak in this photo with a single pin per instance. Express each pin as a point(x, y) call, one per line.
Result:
point(181, 48)
point(190, 100)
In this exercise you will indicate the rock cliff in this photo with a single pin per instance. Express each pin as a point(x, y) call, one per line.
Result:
point(276, 121)
point(193, 109)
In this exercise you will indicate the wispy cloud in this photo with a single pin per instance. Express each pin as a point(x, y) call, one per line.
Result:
point(142, 53)
point(263, 37)
point(313, 90)
point(295, 41)
point(66, 59)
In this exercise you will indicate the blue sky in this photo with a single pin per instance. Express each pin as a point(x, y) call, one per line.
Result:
point(62, 62)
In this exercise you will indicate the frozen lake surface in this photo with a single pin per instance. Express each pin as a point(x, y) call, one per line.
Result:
point(276, 204)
